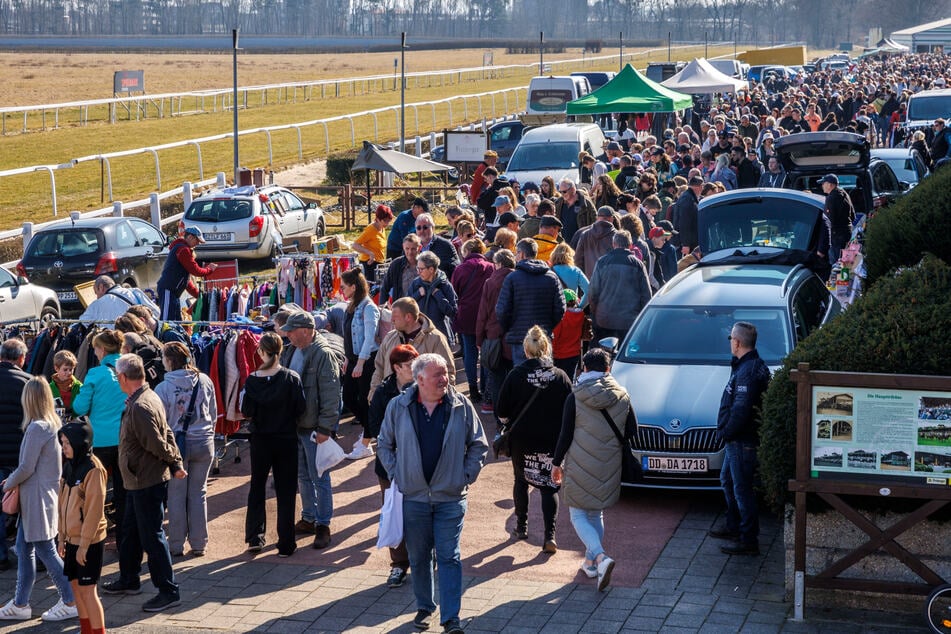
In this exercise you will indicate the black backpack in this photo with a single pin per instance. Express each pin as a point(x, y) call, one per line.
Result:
point(152, 360)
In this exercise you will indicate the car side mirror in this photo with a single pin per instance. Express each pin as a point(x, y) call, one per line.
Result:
point(21, 280)
point(609, 343)
point(312, 205)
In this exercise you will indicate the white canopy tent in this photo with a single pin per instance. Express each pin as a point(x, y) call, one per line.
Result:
point(700, 78)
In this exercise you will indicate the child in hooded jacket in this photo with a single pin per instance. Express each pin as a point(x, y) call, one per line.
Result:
point(82, 522)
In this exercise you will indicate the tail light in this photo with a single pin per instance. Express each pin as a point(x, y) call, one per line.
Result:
point(255, 226)
point(21, 270)
point(107, 264)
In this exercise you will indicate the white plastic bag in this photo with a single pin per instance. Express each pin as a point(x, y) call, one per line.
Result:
point(329, 453)
point(391, 518)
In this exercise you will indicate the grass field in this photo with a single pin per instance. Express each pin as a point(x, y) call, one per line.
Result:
point(44, 78)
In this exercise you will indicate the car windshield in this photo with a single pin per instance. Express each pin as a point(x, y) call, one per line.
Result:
point(64, 244)
point(544, 156)
point(904, 169)
point(219, 210)
point(697, 335)
point(929, 108)
point(747, 223)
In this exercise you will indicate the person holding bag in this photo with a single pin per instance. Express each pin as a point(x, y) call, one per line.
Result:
point(273, 400)
point(191, 411)
point(588, 458)
point(38, 476)
point(533, 397)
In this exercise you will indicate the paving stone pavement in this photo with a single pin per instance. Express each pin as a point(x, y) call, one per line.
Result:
point(692, 588)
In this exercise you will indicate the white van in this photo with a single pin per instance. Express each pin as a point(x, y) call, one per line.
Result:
point(729, 67)
point(552, 150)
point(550, 95)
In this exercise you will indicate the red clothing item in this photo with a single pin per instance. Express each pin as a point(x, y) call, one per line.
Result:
point(566, 338)
point(186, 257)
point(477, 182)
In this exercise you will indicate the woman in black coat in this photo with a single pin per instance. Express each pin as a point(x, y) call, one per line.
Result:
point(532, 399)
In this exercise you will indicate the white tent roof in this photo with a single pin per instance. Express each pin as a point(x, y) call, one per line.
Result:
point(700, 78)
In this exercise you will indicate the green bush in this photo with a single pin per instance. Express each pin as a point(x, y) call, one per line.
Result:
point(338, 169)
point(916, 224)
point(900, 326)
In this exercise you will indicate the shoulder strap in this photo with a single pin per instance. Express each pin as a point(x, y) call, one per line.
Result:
point(125, 299)
point(614, 428)
point(527, 405)
point(190, 412)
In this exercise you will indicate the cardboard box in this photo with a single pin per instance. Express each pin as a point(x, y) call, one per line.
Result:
point(327, 245)
point(304, 244)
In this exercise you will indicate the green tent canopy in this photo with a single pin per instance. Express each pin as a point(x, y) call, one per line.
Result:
point(630, 91)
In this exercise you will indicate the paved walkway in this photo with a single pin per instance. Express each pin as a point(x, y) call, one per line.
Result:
point(692, 587)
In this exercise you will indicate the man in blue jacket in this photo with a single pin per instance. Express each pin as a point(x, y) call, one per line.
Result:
point(736, 426)
point(432, 446)
point(404, 225)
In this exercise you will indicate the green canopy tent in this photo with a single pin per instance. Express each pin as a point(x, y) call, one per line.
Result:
point(630, 92)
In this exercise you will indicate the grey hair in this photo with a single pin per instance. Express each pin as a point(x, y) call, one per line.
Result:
point(622, 239)
point(745, 334)
point(104, 282)
point(566, 181)
point(12, 350)
point(423, 361)
point(426, 216)
point(532, 198)
point(528, 247)
point(504, 258)
point(428, 259)
point(131, 367)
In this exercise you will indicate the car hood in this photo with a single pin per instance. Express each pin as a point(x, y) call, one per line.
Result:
point(673, 397)
point(823, 151)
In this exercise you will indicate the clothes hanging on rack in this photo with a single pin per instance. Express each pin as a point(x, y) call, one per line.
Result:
point(312, 281)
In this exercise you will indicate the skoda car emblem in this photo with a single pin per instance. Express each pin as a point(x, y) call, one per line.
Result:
point(675, 423)
point(58, 264)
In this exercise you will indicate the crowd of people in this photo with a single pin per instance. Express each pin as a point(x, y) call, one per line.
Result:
point(523, 282)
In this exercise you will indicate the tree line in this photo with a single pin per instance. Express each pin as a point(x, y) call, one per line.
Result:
point(820, 23)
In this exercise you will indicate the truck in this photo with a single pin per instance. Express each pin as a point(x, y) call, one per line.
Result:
point(775, 56)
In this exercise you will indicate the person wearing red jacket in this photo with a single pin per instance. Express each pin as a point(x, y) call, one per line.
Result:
point(489, 159)
point(566, 337)
point(176, 275)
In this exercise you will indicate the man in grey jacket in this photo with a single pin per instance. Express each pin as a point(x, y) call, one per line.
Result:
point(619, 289)
point(432, 446)
point(12, 381)
point(313, 359)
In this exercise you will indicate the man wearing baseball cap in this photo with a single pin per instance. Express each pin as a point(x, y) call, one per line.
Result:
point(665, 256)
point(840, 212)
point(176, 274)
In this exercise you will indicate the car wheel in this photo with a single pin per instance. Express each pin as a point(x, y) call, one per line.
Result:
point(48, 314)
point(321, 228)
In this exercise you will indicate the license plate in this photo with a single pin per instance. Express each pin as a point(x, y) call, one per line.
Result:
point(218, 237)
point(67, 296)
point(674, 464)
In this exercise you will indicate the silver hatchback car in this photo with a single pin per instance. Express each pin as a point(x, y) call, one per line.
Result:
point(675, 361)
point(251, 222)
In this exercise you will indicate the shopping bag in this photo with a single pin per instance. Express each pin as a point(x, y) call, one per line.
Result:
point(329, 454)
point(11, 501)
point(391, 518)
point(537, 471)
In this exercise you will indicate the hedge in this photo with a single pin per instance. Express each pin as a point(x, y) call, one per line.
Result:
point(338, 169)
point(901, 325)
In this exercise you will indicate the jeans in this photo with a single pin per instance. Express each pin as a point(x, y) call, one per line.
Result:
point(737, 477)
point(187, 504)
point(270, 452)
point(142, 533)
point(26, 568)
point(589, 525)
point(316, 496)
point(398, 556)
point(470, 360)
point(109, 457)
point(429, 525)
point(520, 497)
point(4, 474)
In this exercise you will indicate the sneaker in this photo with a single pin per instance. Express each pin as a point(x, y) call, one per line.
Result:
point(550, 547)
point(423, 619)
point(198, 552)
point(10, 612)
point(396, 578)
point(160, 602)
point(120, 587)
point(590, 570)
point(321, 537)
point(60, 612)
point(303, 526)
point(360, 451)
point(452, 626)
point(358, 441)
point(723, 533)
point(741, 548)
point(256, 546)
point(487, 408)
point(605, 568)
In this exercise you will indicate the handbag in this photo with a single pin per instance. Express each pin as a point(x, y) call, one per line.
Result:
point(491, 354)
point(181, 436)
point(631, 470)
point(391, 518)
point(502, 445)
point(537, 470)
point(11, 501)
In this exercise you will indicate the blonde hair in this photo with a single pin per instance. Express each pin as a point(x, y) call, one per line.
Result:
point(506, 238)
point(37, 402)
point(536, 344)
point(562, 254)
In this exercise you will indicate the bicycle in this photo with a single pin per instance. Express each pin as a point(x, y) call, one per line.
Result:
point(938, 609)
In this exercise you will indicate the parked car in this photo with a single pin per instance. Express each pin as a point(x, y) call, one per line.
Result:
point(438, 154)
point(504, 137)
point(808, 156)
point(675, 361)
point(251, 222)
point(67, 253)
point(21, 300)
point(907, 164)
point(552, 150)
